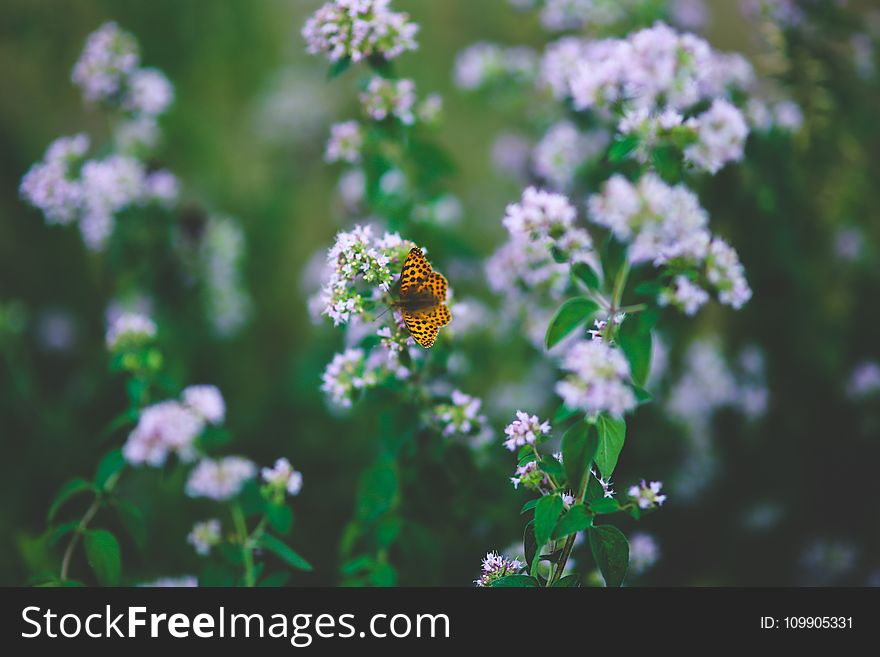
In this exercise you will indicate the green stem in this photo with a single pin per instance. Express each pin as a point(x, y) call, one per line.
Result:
point(77, 534)
point(246, 544)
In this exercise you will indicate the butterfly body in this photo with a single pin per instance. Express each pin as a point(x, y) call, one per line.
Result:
point(422, 299)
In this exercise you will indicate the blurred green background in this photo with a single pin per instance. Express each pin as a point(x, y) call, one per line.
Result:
point(812, 459)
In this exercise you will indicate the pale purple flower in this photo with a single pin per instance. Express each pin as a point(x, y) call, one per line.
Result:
point(597, 380)
point(644, 552)
point(204, 536)
point(524, 430)
point(282, 475)
point(495, 567)
point(109, 56)
point(220, 479)
point(647, 496)
point(162, 429)
point(129, 327)
point(206, 401)
point(345, 143)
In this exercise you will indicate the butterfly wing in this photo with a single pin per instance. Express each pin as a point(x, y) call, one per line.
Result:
point(416, 270)
point(422, 293)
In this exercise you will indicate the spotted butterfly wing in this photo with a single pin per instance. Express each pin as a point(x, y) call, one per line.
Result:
point(422, 296)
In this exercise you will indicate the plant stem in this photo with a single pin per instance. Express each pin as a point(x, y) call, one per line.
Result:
point(246, 545)
point(78, 532)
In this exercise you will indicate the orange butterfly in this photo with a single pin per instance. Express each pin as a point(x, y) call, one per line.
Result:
point(422, 297)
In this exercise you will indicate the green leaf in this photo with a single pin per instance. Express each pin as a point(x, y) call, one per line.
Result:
point(570, 315)
point(622, 148)
point(274, 580)
point(338, 67)
point(69, 490)
point(383, 574)
point(387, 531)
point(564, 414)
point(569, 581)
point(604, 505)
point(642, 395)
point(356, 565)
point(252, 501)
point(280, 517)
point(586, 275)
point(519, 581)
point(528, 506)
point(576, 519)
point(612, 432)
point(636, 345)
point(546, 514)
point(377, 493)
point(110, 465)
point(552, 467)
point(217, 574)
point(102, 552)
point(286, 553)
point(61, 531)
point(579, 446)
point(611, 551)
point(133, 520)
point(530, 546)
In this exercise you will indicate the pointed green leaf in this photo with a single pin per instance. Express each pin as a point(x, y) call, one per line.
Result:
point(576, 519)
point(622, 148)
point(611, 551)
point(102, 552)
point(69, 490)
point(569, 581)
point(280, 517)
point(636, 345)
point(285, 552)
point(528, 506)
point(61, 531)
point(604, 505)
point(520, 581)
point(612, 432)
point(546, 514)
point(570, 315)
point(579, 445)
point(338, 67)
point(586, 275)
point(109, 466)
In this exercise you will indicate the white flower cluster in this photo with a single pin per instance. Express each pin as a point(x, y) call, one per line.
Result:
point(360, 262)
point(540, 225)
point(495, 567)
point(598, 379)
point(461, 417)
point(721, 137)
point(345, 143)
point(129, 328)
point(221, 254)
point(563, 150)
point(109, 57)
point(108, 71)
point(485, 64)
point(665, 224)
point(283, 476)
point(647, 496)
point(359, 29)
point(353, 371)
point(383, 98)
point(204, 536)
point(656, 68)
point(220, 479)
point(66, 188)
point(171, 427)
point(563, 15)
point(524, 430)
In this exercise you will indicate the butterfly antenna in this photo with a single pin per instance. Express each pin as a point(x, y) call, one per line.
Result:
point(384, 312)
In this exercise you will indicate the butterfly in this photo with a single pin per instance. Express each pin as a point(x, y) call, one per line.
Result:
point(422, 297)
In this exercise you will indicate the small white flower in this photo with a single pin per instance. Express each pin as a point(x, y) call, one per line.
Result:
point(204, 536)
point(129, 327)
point(524, 430)
point(496, 566)
point(220, 479)
point(163, 428)
point(206, 401)
point(647, 496)
point(283, 475)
